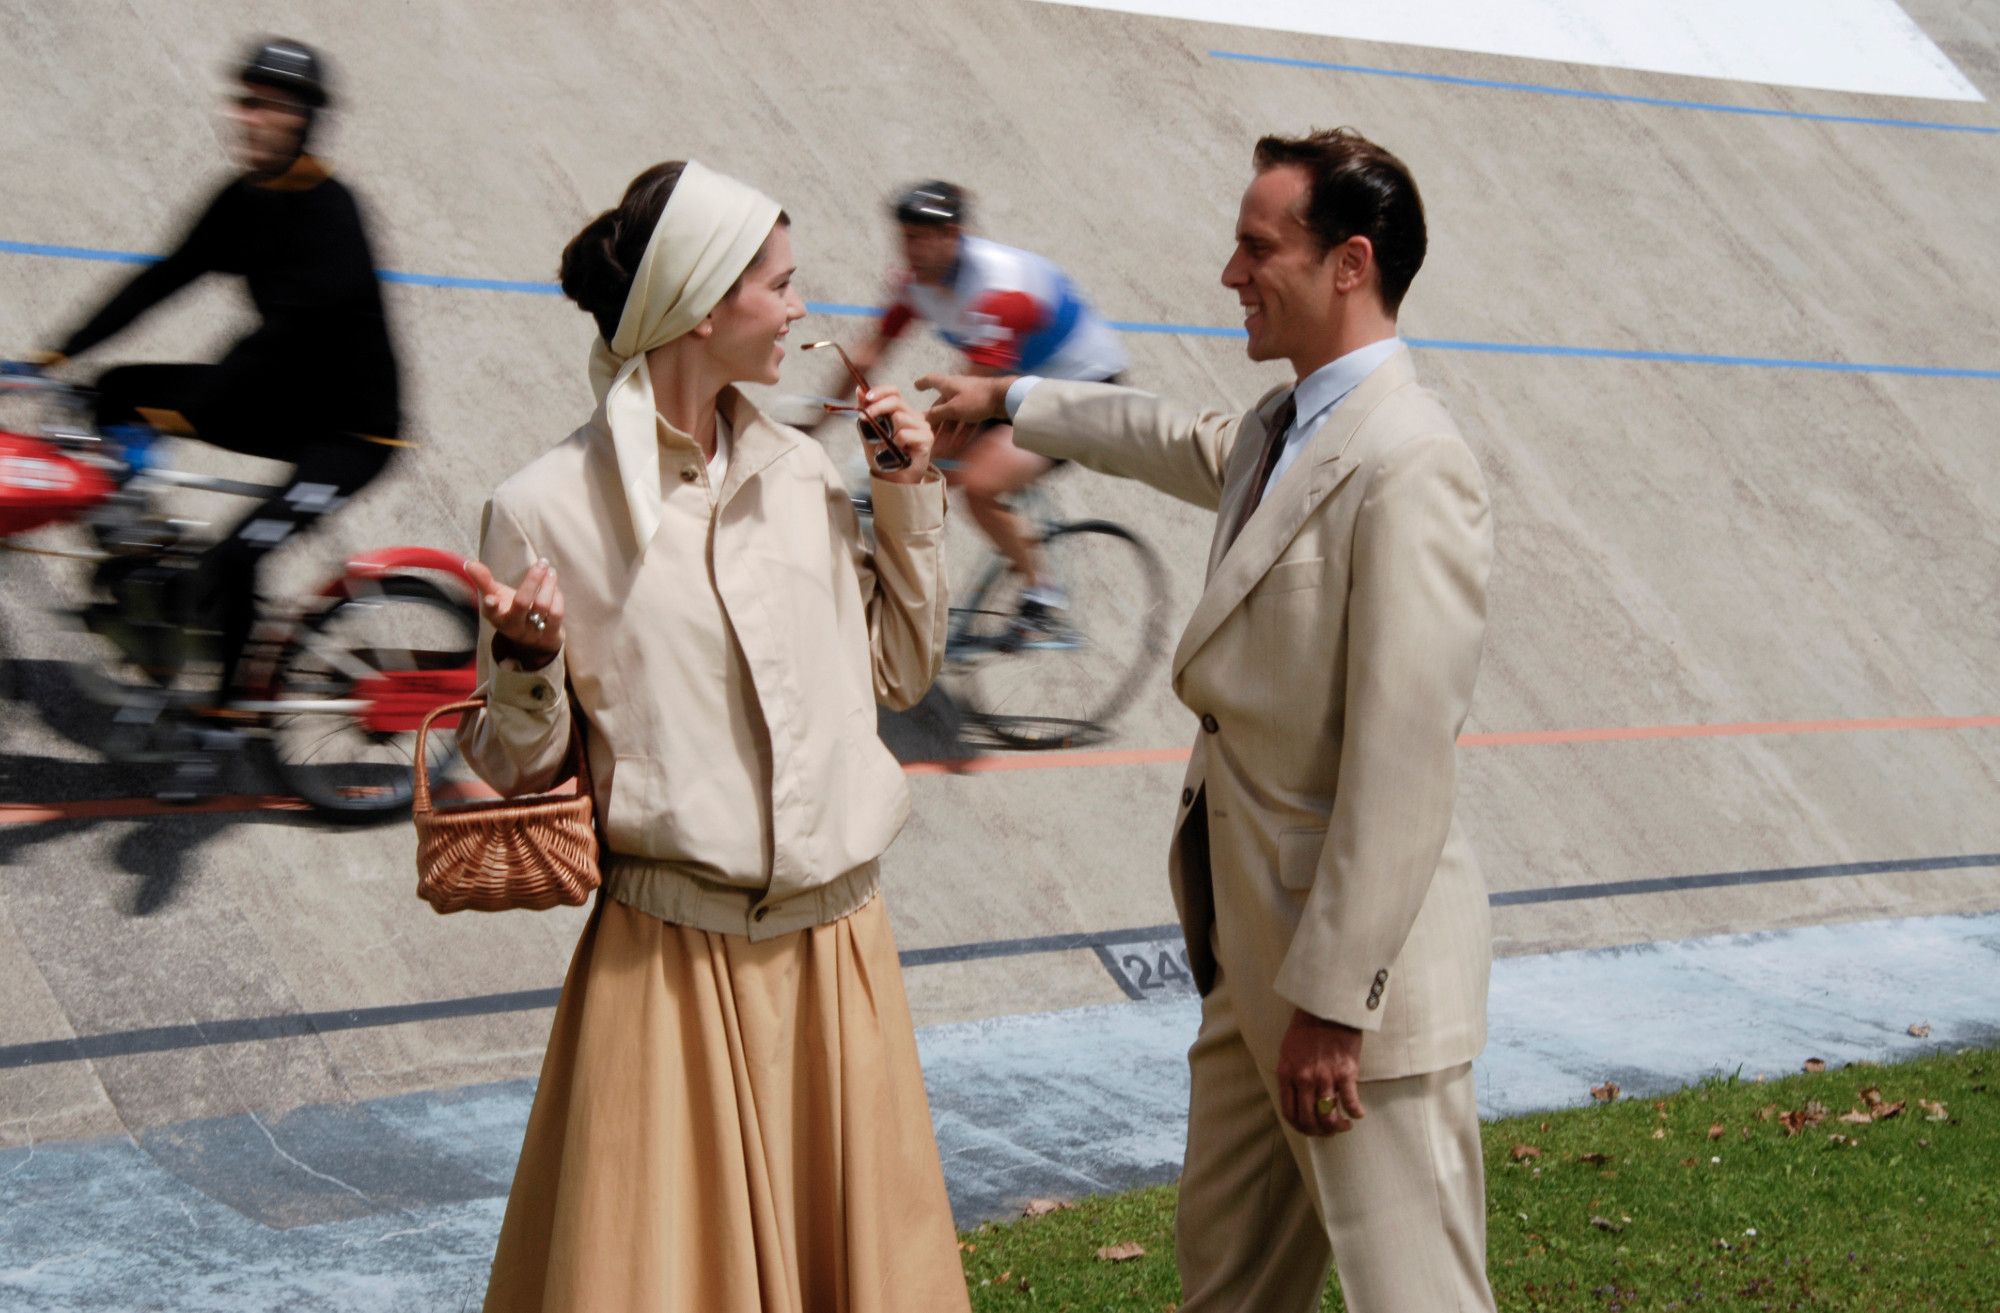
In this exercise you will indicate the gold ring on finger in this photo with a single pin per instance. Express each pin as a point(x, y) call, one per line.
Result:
point(1325, 1106)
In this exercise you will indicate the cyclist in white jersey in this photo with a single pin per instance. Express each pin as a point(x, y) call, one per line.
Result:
point(1010, 312)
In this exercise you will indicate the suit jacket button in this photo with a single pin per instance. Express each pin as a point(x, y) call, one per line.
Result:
point(1382, 977)
point(1374, 1002)
point(689, 474)
point(1210, 724)
point(1187, 797)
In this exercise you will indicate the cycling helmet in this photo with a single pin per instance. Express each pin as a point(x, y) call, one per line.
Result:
point(932, 204)
point(289, 66)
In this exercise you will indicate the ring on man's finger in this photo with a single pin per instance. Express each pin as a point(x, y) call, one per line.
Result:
point(1325, 1105)
point(539, 621)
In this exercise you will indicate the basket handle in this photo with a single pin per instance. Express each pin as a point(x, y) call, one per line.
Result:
point(420, 794)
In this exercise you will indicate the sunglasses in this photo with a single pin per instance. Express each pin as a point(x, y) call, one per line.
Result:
point(880, 428)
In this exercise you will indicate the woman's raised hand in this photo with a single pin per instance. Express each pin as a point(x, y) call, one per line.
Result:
point(529, 615)
point(913, 434)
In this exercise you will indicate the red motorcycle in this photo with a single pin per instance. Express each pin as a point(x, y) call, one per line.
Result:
point(331, 689)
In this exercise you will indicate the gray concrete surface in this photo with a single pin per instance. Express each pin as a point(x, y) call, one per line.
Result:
point(1680, 543)
point(393, 1203)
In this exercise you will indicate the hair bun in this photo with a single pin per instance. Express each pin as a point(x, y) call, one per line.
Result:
point(599, 262)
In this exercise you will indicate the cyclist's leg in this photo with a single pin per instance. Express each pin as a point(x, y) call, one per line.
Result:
point(329, 471)
point(160, 396)
point(991, 468)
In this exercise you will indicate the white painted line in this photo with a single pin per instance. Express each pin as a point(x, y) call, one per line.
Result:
point(1869, 46)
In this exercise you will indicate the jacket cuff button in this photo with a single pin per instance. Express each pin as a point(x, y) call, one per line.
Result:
point(1210, 724)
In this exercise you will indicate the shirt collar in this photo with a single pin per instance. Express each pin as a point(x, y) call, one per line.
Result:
point(1325, 386)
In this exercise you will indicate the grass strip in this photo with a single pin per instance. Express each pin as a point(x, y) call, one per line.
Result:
point(1861, 1189)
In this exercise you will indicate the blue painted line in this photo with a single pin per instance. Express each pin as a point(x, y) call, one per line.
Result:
point(76, 253)
point(1616, 97)
point(850, 310)
point(471, 284)
point(1697, 358)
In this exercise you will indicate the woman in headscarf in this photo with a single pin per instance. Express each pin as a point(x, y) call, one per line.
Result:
point(731, 1118)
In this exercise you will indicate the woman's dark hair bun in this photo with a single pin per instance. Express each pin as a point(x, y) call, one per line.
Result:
point(598, 263)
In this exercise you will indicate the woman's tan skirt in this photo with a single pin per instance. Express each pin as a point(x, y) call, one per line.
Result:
point(729, 1127)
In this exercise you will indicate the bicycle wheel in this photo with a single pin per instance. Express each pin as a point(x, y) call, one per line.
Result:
point(1065, 687)
point(361, 673)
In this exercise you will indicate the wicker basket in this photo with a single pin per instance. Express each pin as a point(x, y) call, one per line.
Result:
point(500, 854)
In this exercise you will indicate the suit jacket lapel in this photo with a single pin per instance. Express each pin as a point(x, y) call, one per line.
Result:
point(1287, 504)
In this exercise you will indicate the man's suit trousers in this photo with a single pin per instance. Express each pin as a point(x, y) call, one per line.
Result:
point(1397, 1204)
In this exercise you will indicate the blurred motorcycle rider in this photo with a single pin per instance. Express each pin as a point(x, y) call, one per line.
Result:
point(314, 384)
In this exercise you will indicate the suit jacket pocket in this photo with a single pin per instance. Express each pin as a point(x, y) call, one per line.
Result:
point(1290, 577)
point(1298, 856)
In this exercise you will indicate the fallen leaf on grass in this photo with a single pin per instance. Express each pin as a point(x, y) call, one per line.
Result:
point(1815, 1064)
point(1523, 1152)
point(1606, 1224)
point(1767, 1112)
point(1121, 1253)
point(1043, 1207)
point(1606, 1092)
point(1884, 1111)
point(1922, 1030)
point(1594, 1159)
point(1716, 1131)
point(1856, 1117)
point(1933, 1111)
point(1659, 1132)
point(1838, 1141)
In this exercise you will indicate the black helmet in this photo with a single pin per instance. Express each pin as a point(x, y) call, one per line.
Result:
point(932, 204)
point(286, 65)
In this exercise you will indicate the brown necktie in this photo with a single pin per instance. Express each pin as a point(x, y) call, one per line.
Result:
point(1274, 444)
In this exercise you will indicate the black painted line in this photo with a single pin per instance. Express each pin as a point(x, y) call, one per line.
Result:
point(1124, 981)
point(243, 1030)
point(924, 957)
point(1731, 879)
point(160, 1039)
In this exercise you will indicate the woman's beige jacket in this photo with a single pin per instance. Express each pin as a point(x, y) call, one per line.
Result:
point(727, 671)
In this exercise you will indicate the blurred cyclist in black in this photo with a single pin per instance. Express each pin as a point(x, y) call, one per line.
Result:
point(314, 385)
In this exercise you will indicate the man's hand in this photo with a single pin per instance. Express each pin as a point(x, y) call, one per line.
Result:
point(528, 617)
point(1320, 1060)
point(965, 401)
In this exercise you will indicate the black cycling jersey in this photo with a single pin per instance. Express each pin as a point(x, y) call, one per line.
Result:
point(299, 242)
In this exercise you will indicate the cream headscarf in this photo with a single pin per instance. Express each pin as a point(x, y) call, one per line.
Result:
point(710, 231)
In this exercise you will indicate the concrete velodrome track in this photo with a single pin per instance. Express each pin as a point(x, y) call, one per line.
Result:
point(1732, 376)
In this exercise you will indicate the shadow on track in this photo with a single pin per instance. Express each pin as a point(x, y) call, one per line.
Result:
point(157, 847)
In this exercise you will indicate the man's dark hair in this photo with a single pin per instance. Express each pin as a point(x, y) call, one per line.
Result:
point(1357, 189)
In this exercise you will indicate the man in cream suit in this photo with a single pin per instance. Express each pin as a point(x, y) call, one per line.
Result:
point(1335, 916)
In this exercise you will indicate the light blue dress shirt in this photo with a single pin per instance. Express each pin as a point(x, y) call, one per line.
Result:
point(1325, 388)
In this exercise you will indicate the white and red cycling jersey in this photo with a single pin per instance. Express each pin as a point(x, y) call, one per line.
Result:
point(1010, 310)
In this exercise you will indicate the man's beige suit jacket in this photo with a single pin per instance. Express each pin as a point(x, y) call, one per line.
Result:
point(1316, 858)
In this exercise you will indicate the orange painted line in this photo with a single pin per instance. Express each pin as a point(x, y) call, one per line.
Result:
point(1744, 729)
point(34, 813)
